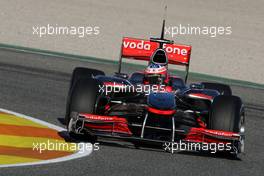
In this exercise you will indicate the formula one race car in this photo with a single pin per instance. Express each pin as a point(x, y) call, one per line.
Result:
point(153, 106)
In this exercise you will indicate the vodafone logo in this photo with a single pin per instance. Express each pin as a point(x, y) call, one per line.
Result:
point(96, 117)
point(148, 46)
point(175, 50)
point(137, 45)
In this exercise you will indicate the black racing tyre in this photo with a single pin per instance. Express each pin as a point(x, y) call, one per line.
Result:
point(81, 72)
point(83, 97)
point(223, 89)
point(77, 74)
point(227, 114)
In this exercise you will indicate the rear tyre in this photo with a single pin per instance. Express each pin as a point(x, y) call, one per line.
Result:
point(223, 89)
point(227, 114)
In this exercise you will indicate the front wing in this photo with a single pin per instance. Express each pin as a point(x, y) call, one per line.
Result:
point(118, 127)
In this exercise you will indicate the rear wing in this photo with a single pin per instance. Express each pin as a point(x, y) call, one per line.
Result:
point(140, 49)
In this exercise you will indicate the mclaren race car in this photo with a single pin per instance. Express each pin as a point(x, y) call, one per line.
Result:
point(153, 106)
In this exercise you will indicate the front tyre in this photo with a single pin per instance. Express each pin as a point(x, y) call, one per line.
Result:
point(83, 73)
point(78, 74)
point(227, 114)
point(83, 100)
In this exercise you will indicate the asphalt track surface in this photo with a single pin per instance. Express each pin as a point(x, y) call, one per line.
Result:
point(37, 85)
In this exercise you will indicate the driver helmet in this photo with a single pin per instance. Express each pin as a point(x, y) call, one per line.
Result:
point(155, 74)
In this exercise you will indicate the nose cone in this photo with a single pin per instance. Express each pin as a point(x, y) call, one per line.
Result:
point(159, 57)
point(163, 101)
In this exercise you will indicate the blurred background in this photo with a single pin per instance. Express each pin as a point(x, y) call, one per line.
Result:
point(238, 56)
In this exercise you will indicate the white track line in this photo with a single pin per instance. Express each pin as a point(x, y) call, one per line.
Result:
point(85, 151)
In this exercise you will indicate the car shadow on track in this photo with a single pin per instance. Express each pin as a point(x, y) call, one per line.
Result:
point(61, 120)
point(147, 148)
point(218, 155)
